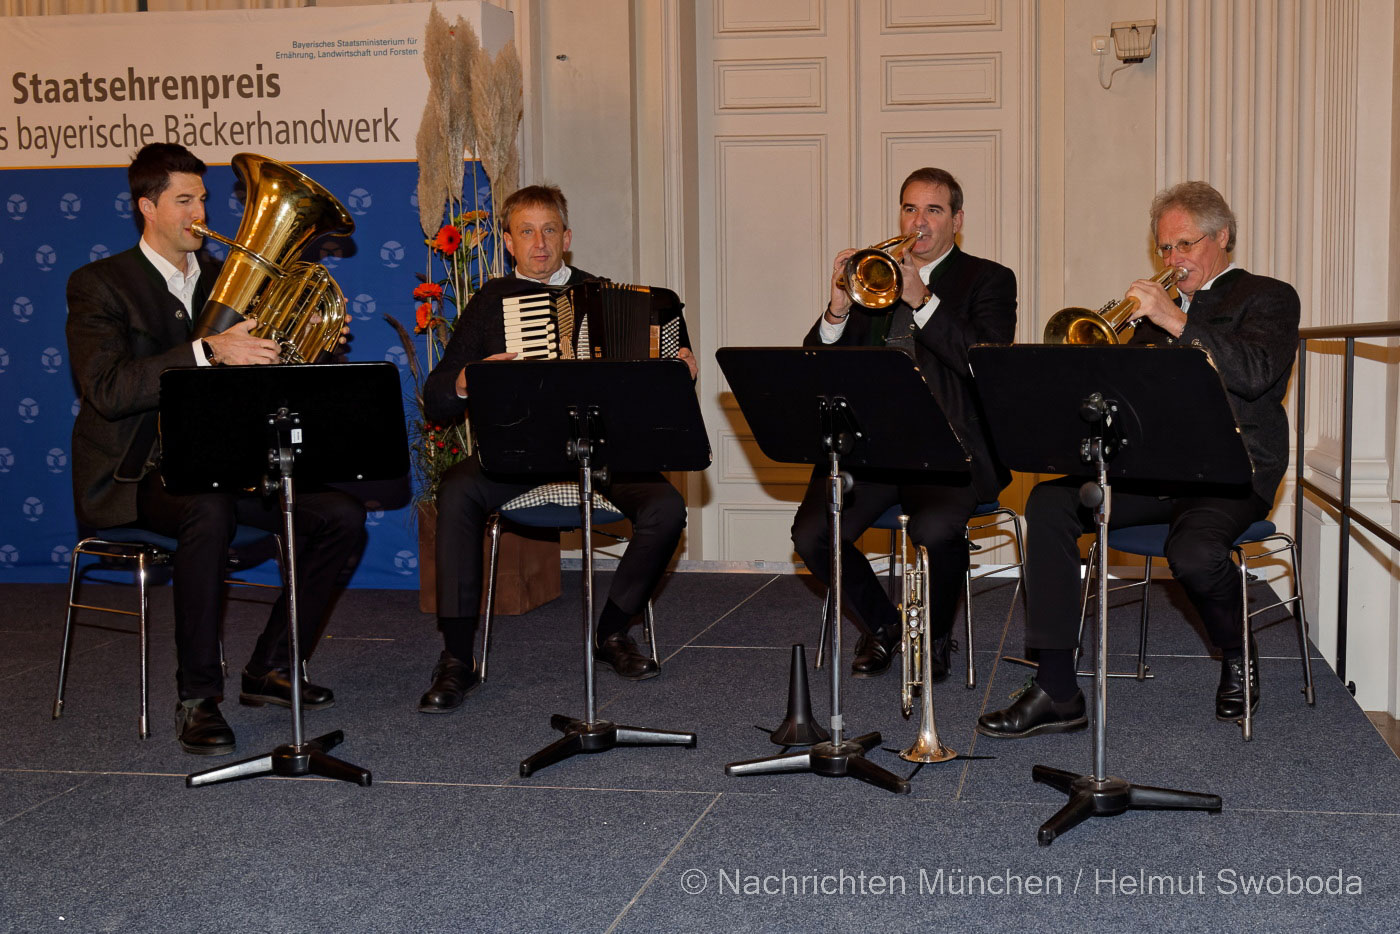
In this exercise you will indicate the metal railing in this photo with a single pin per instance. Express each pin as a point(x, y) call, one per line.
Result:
point(1349, 333)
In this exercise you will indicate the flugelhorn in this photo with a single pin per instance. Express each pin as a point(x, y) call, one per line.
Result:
point(1105, 326)
point(917, 647)
point(297, 304)
point(871, 276)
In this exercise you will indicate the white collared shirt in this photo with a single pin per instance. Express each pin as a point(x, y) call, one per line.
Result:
point(181, 285)
point(560, 277)
point(830, 333)
point(1186, 302)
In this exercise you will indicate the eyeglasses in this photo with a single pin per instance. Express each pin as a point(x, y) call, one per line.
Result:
point(1180, 247)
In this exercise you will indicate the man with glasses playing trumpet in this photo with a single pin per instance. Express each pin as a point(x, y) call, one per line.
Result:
point(1249, 325)
point(948, 300)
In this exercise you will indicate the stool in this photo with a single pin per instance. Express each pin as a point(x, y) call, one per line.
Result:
point(1150, 541)
point(548, 506)
point(889, 519)
point(147, 549)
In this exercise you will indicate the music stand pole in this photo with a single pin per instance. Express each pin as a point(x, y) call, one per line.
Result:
point(590, 734)
point(1101, 794)
point(300, 757)
point(836, 757)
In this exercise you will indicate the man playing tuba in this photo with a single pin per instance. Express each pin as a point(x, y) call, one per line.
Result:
point(130, 317)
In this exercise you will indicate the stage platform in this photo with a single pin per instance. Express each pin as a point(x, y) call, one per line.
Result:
point(99, 833)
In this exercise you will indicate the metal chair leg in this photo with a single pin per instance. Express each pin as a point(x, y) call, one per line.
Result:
point(145, 649)
point(649, 631)
point(971, 679)
point(1246, 724)
point(1300, 613)
point(67, 632)
point(1142, 626)
point(493, 527)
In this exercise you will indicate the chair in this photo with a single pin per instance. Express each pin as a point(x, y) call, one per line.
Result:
point(550, 506)
point(1149, 541)
point(998, 514)
point(147, 550)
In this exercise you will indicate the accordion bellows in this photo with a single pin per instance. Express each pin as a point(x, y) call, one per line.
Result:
point(594, 319)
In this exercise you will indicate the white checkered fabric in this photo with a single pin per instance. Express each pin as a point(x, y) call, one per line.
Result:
point(556, 494)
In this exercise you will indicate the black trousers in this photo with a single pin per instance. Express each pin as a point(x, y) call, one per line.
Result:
point(468, 497)
point(938, 515)
point(1203, 529)
point(330, 534)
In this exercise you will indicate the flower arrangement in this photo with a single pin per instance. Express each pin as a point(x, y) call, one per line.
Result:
point(473, 105)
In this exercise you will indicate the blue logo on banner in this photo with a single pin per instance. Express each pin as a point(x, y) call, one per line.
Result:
point(9, 555)
point(16, 207)
point(7, 460)
point(23, 309)
point(33, 508)
point(373, 512)
point(413, 199)
point(362, 306)
point(98, 251)
point(360, 201)
point(56, 459)
point(122, 204)
point(61, 554)
point(397, 356)
point(51, 359)
point(28, 410)
point(2, 256)
point(77, 404)
point(392, 253)
point(69, 205)
point(235, 206)
point(216, 249)
point(405, 562)
point(4, 359)
point(45, 257)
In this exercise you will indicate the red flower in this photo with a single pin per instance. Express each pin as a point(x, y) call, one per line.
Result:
point(448, 239)
point(427, 291)
point(425, 316)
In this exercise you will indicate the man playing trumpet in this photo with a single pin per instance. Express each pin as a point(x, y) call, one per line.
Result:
point(949, 301)
point(1249, 324)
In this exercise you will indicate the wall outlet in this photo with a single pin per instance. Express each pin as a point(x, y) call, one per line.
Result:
point(1099, 45)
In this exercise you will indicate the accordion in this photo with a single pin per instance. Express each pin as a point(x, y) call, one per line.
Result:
point(594, 320)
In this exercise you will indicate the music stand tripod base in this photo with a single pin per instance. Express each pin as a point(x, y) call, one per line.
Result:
point(843, 760)
point(288, 761)
point(599, 736)
point(1108, 797)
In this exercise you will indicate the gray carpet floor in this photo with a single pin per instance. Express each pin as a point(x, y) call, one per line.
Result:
point(99, 833)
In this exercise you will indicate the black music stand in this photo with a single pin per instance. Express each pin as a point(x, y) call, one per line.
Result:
point(848, 406)
point(551, 417)
point(231, 428)
point(1096, 412)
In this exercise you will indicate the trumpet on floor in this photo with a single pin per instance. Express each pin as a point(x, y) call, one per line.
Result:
point(917, 648)
point(1105, 326)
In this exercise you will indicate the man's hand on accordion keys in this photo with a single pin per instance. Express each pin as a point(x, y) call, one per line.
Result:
point(462, 374)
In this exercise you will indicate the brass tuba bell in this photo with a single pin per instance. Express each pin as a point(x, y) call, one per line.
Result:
point(297, 304)
point(871, 276)
point(1105, 326)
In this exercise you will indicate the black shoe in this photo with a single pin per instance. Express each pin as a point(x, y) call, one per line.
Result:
point(275, 687)
point(875, 652)
point(1034, 712)
point(202, 729)
point(621, 654)
point(1229, 697)
point(453, 680)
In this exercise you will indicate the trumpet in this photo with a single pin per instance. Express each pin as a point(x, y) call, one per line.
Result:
point(1108, 324)
point(871, 276)
point(917, 650)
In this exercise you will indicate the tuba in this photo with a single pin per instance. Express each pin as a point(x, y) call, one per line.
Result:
point(917, 649)
point(1105, 326)
point(871, 276)
point(297, 304)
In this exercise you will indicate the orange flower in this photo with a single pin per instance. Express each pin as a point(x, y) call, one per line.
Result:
point(427, 291)
point(471, 217)
point(448, 239)
point(425, 317)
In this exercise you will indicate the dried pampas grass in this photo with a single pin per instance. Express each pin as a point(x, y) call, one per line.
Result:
point(496, 105)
